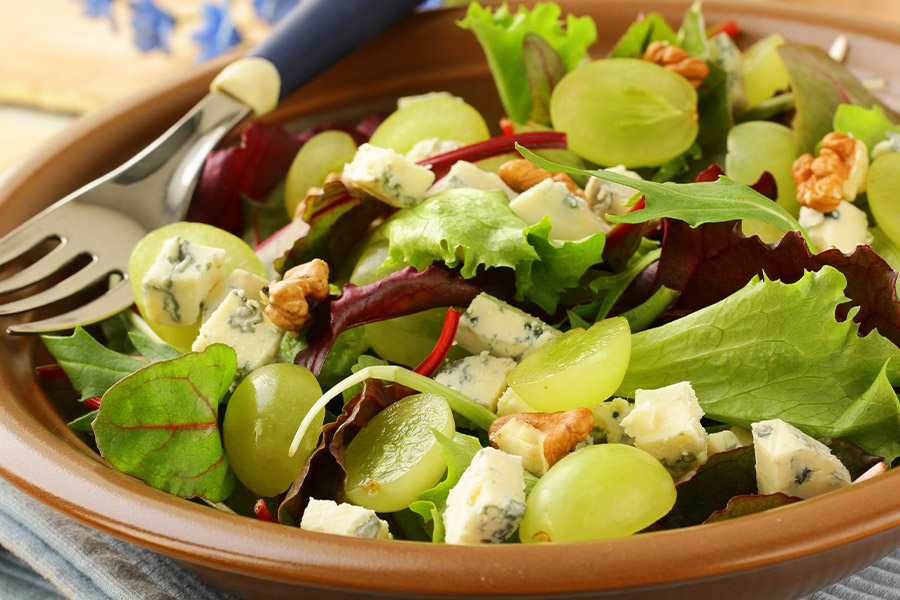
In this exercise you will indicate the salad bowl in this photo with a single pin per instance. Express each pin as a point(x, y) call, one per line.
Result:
point(781, 553)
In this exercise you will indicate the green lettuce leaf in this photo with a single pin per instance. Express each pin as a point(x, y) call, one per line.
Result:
point(652, 28)
point(502, 34)
point(870, 125)
point(694, 203)
point(91, 367)
point(775, 350)
point(160, 424)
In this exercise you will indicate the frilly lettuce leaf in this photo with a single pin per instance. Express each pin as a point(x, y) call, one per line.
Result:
point(775, 350)
point(502, 33)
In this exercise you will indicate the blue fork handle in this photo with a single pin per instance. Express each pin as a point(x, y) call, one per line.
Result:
point(318, 33)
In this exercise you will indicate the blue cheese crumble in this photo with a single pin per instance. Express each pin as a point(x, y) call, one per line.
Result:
point(481, 377)
point(390, 177)
point(493, 326)
point(327, 516)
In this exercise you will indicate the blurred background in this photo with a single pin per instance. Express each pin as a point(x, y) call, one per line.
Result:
point(62, 58)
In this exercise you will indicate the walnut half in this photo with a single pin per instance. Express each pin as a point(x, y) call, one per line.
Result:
point(838, 173)
point(677, 60)
point(541, 439)
point(520, 175)
point(291, 298)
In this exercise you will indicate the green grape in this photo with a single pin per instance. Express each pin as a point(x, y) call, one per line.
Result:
point(323, 154)
point(580, 368)
point(260, 421)
point(238, 255)
point(367, 266)
point(883, 190)
point(763, 70)
point(396, 456)
point(625, 111)
point(758, 146)
point(597, 492)
point(444, 118)
point(407, 340)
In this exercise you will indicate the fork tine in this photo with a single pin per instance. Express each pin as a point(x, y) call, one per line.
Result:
point(22, 239)
point(117, 299)
point(47, 265)
point(83, 279)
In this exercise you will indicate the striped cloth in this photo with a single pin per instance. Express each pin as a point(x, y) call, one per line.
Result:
point(48, 556)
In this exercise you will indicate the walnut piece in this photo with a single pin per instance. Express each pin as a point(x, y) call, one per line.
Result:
point(520, 175)
point(838, 173)
point(677, 60)
point(291, 298)
point(541, 439)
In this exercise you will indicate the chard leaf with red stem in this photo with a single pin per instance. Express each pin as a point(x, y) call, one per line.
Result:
point(543, 70)
point(400, 293)
point(748, 504)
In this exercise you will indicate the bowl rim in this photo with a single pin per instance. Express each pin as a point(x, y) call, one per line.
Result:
point(281, 553)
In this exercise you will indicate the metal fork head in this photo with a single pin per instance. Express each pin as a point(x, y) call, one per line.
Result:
point(107, 218)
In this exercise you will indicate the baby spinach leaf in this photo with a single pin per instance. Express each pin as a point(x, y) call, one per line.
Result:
point(821, 84)
point(640, 34)
point(502, 35)
point(775, 350)
point(457, 452)
point(693, 203)
point(748, 504)
point(160, 424)
point(91, 367)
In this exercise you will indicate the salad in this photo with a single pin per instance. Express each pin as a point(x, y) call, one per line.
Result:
point(663, 295)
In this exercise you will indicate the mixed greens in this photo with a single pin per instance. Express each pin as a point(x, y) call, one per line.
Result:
point(653, 311)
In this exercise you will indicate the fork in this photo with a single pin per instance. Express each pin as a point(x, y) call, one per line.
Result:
point(105, 219)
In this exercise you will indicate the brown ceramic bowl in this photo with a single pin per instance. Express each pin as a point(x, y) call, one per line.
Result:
point(782, 553)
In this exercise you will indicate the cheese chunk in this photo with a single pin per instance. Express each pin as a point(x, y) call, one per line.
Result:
point(608, 417)
point(510, 403)
point(238, 279)
point(464, 174)
point(491, 325)
point(844, 228)
point(327, 516)
point(571, 217)
point(390, 177)
point(241, 323)
point(481, 377)
point(176, 284)
point(722, 441)
point(525, 440)
point(431, 147)
point(793, 463)
point(488, 502)
point(607, 197)
point(666, 424)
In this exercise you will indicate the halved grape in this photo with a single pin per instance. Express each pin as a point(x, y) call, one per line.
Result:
point(763, 70)
point(407, 340)
point(238, 255)
point(597, 492)
point(625, 111)
point(396, 456)
point(580, 368)
point(260, 420)
point(444, 118)
point(324, 153)
point(758, 146)
point(883, 190)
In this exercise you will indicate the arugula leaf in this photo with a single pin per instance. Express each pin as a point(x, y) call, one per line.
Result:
point(457, 452)
point(869, 125)
point(692, 34)
point(467, 225)
point(502, 35)
point(151, 349)
point(652, 28)
point(693, 203)
point(559, 266)
point(91, 367)
point(820, 85)
point(160, 424)
point(774, 350)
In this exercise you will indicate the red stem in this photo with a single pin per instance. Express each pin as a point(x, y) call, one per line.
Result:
point(261, 510)
point(448, 333)
point(730, 27)
point(51, 374)
point(504, 144)
point(92, 403)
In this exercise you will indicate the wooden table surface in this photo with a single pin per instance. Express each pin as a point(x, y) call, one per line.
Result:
point(63, 64)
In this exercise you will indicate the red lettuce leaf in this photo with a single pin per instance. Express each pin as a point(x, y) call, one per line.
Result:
point(401, 293)
point(543, 70)
point(324, 476)
point(252, 169)
point(722, 477)
point(748, 504)
point(623, 240)
point(857, 460)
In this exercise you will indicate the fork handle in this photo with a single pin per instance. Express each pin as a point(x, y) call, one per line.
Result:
point(318, 33)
